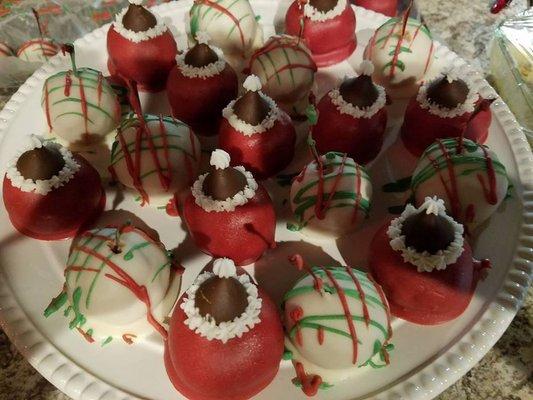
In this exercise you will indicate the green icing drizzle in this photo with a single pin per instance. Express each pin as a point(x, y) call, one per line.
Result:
point(287, 355)
point(129, 255)
point(307, 322)
point(56, 304)
point(79, 319)
point(323, 386)
point(107, 341)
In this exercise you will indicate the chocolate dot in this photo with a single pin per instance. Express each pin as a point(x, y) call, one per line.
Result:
point(359, 92)
point(200, 56)
point(447, 94)
point(224, 299)
point(222, 184)
point(41, 163)
point(138, 19)
point(428, 232)
point(252, 108)
point(324, 5)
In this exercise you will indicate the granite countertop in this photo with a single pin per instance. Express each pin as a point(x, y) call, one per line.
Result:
point(506, 372)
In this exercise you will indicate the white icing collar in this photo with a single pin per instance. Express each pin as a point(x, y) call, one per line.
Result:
point(209, 204)
point(368, 112)
point(138, 37)
point(426, 262)
point(207, 327)
point(43, 187)
point(315, 15)
point(204, 72)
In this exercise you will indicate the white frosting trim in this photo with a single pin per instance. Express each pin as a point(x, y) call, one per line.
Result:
point(467, 107)
point(136, 2)
point(366, 68)
point(207, 327)
point(248, 129)
point(43, 187)
point(426, 262)
point(252, 84)
point(368, 112)
point(137, 37)
point(209, 204)
point(315, 15)
point(204, 72)
point(220, 159)
point(224, 268)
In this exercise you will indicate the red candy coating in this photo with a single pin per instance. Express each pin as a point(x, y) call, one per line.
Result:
point(242, 235)
point(199, 102)
point(330, 41)
point(148, 62)
point(60, 213)
point(204, 369)
point(264, 154)
point(426, 298)
point(421, 128)
point(479, 125)
point(387, 7)
point(360, 138)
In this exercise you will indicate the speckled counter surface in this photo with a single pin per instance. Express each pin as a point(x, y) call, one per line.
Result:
point(506, 372)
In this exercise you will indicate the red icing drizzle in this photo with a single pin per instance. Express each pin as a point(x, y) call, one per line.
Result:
point(128, 338)
point(362, 295)
point(99, 88)
point(470, 213)
point(172, 207)
point(310, 383)
point(47, 105)
point(490, 191)
point(320, 335)
point(298, 261)
point(68, 83)
point(296, 315)
point(321, 205)
point(384, 301)
point(83, 100)
point(347, 313)
point(85, 335)
point(358, 194)
point(400, 41)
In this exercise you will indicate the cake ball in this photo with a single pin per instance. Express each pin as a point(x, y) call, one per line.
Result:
point(5, 50)
point(38, 50)
point(402, 50)
point(201, 85)
point(225, 339)
point(120, 285)
point(287, 72)
point(466, 175)
point(331, 197)
point(80, 105)
point(387, 7)
point(442, 109)
point(156, 156)
point(326, 26)
point(424, 265)
point(336, 320)
point(256, 133)
point(141, 48)
point(231, 24)
point(49, 193)
point(352, 118)
point(228, 214)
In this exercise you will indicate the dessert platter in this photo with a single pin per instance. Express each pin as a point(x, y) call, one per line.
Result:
point(233, 199)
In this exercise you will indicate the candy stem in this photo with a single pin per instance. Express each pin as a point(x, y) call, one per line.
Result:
point(312, 147)
point(37, 18)
point(69, 48)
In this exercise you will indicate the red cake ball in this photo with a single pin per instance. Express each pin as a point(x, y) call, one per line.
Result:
point(200, 86)
point(256, 133)
point(327, 26)
point(442, 109)
point(424, 265)
point(228, 214)
point(141, 47)
point(352, 119)
point(49, 193)
point(387, 7)
point(225, 338)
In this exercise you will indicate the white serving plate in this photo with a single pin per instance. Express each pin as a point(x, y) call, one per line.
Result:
point(426, 359)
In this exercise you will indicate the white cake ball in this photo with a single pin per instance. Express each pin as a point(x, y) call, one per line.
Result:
point(336, 320)
point(401, 62)
point(350, 201)
point(117, 279)
point(287, 72)
point(38, 50)
point(168, 162)
point(80, 107)
point(460, 173)
point(231, 25)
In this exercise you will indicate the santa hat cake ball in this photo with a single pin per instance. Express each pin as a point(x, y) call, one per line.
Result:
point(226, 338)
point(287, 72)
point(387, 7)
point(141, 48)
point(80, 105)
point(441, 109)
point(49, 193)
point(229, 214)
point(402, 50)
point(424, 265)
point(232, 26)
point(352, 119)
point(326, 26)
point(336, 319)
point(331, 197)
point(156, 156)
point(120, 285)
point(466, 175)
point(256, 133)
point(201, 85)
